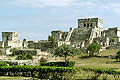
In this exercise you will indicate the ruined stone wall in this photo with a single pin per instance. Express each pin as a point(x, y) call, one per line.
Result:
point(59, 43)
point(2, 51)
point(90, 22)
point(64, 35)
point(18, 44)
point(42, 44)
point(2, 44)
point(9, 36)
point(30, 44)
point(32, 51)
point(112, 33)
point(114, 46)
point(57, 34)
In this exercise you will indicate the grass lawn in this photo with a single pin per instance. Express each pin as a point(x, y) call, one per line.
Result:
point(109, 52)
point(96, 61)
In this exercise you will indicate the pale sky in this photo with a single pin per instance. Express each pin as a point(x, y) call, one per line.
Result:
point(35, 19)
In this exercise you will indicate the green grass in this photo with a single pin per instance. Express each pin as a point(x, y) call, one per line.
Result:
point(109, 52)
point(95, 61)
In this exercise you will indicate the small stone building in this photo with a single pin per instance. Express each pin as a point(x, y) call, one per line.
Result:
point(10, 39)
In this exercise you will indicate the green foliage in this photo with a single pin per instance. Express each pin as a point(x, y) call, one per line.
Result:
point(3, 64)
point(14, 51)
point(102, 71)
point(19, 57)
point(59, 64)
point(112, 40)
point(118, 56)
point(28, 56)
point(52, 42)
point(1, 47)
point(42, 60)
point(93, 48)
point(65, 51)
point(97, 72)
point(41, 72)
point(24, 57)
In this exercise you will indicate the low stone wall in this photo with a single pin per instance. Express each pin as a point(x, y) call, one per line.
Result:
point(114, 46)
point(2, 52)
point(32, 51)
point(18, 62)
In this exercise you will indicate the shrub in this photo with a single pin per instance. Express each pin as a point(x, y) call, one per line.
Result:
point(93, 48)
point(19, 57)
point(28, 56)
point(3, 64)
point(41, 72)
point(43, 60)
point(14, 51)
point(59, 64)
point(118, 56)
point(24, 57)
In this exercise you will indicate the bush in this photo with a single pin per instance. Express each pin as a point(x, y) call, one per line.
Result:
point(118, 56)
point(14, 51)
point(3, 64)
point(24, 57)
point(59, 64)
point(19, 57)
point(93, 48)
point(43, 60)
point(41, 72)
point(28, 56)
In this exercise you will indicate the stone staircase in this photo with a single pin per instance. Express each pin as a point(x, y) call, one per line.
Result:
point(69, 34)
point(91, 36)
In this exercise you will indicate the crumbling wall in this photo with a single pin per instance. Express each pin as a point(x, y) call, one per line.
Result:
point(13, 44)
point(9, 36)
point(42, 44)
point(2, 51)
point(114, 46)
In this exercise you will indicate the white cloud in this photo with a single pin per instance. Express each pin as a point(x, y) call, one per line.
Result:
point(44, 3)
point(38, 3)
point(87, 4)
point(113, 7)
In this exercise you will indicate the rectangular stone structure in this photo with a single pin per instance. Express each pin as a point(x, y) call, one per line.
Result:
point(9, 36)
point(90, 22)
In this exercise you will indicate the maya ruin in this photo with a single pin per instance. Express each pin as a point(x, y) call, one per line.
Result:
point(26, 56)
point(88, 31)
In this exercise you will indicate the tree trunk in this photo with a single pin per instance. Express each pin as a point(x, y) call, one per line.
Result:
point(65, 60)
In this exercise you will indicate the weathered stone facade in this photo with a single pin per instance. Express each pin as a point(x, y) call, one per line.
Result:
point(10, 39)
point(89, 30)
point(41, 44)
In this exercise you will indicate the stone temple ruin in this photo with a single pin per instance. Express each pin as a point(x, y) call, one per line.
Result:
point(10, 39)
point(89, 30)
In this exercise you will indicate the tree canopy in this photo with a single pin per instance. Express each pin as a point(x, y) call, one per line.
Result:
point(93, 48)
point(65, 51)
